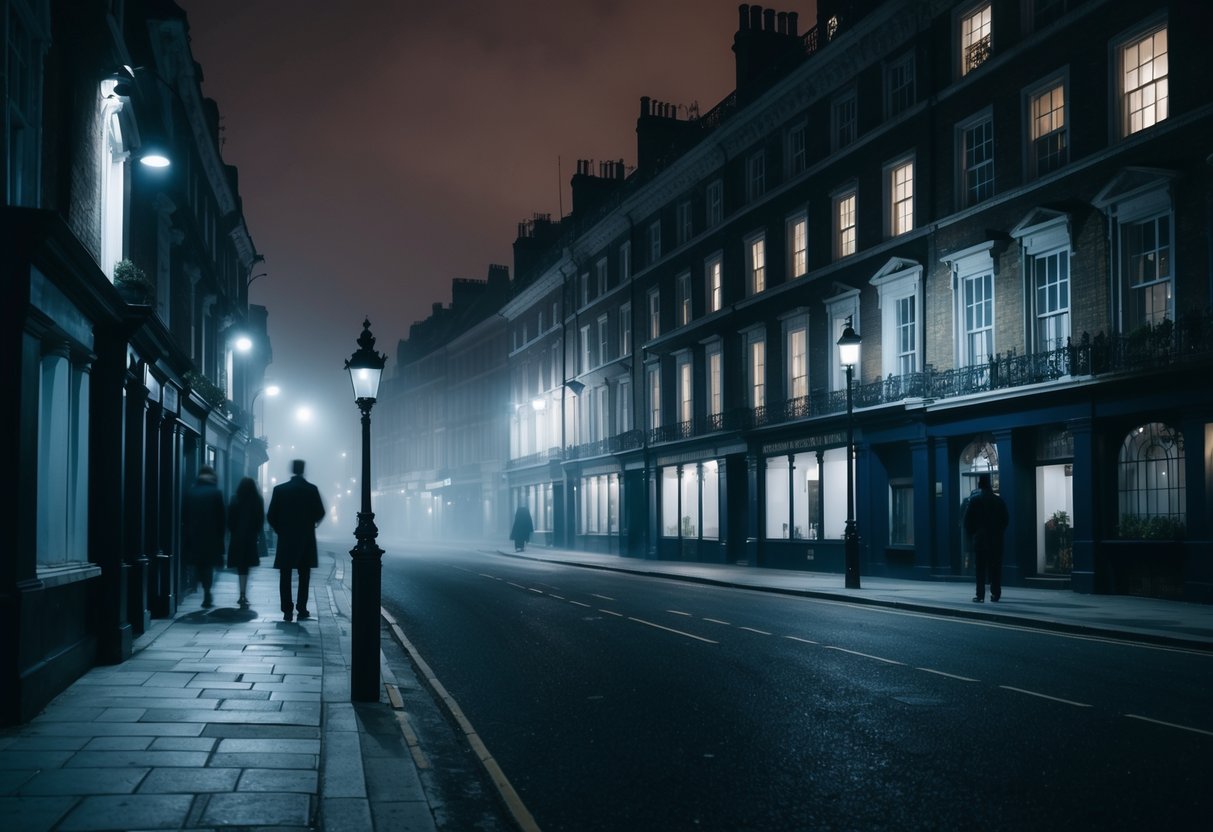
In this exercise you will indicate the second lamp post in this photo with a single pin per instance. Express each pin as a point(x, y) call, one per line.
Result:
point(848, 356)
point(365, 367)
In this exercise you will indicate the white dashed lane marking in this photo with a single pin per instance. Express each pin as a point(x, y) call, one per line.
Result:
point(752, 630)
point(949, 675)
point(865, 655)
point(612, 612)
point(802, 640)
point(1171, 725)
point(679, 612)
point(603, 597)
point(718, 621)
point(1046, 696)
point(672, 630)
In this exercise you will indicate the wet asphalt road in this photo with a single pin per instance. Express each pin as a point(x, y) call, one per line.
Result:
point(618, 702)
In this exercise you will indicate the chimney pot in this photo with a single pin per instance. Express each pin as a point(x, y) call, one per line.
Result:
point(768, 20)
point(783, 22)
point(743, 11)
point(645, 103)
point(756, 18)
point(793, 25)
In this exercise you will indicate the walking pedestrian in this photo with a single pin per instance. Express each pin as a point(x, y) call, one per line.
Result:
point(246, 522)
point(521, 531)
point(202, 527)
point(295, 511)
point(985, 521)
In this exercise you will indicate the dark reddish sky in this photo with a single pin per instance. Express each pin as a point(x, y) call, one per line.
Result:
point(388, 147)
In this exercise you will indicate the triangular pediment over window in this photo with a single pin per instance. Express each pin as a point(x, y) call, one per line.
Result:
point(896, 267)
point(1131, 183)
point(1043, 229)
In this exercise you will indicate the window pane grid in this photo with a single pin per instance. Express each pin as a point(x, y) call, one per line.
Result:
point(1145, 64)
point(903, 198)
point(975, 32)
point(907, 354)
point(979, 161)
point(1049, 130)
point(757, 266)
point(979, 318)
point(846, 225)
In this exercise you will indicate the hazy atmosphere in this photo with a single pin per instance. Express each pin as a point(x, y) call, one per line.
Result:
point(387, 148)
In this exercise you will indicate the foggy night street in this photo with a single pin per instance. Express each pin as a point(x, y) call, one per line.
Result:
point(796, 713)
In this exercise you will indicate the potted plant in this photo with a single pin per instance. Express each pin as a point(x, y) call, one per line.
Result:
point(132, 283)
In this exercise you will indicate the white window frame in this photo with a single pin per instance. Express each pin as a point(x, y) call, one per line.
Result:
point(844, 119)
point(713, 356)
point(839, 309)
point(584, 281)
point(899, 280)
point(797, 227)
point(756, 263)
point(1153, 104)
point(684, 386)
point(587, 359)
point(796, 356)
point(625, 330)
point(654, 312)
point(623, 405)
point(968, 266)
point(713, 275)
point(682, 292)
point(600, 269)
point(1036, 122)
point(603, 346)
point(845, 244)
point(714, 203)
point(974, 37)
point(1045, 234)
point(625, 262)
point(653, 394)
point(898, 196)
point(903, 64)
point(755, 340)
point(965, 197)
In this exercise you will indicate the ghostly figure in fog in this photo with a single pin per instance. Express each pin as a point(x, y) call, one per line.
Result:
point(521, 531)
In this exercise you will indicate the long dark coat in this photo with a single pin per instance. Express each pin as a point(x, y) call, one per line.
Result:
point(245, 521)
point(985, 520)
point(295, 511)
point(202, 524)
point(523, 526)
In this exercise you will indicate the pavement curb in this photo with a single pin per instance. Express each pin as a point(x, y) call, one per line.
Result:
point(1036, 623)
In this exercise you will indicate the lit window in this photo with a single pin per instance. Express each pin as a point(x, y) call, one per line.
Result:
point(1151, 483)
point(797, 359)
point(756, 264)
point(654, 313)
point(715, 377)
point(756, 368)
point(713, 271)
point(901, 197)
point(1146, 247)
point(654, 374)
point(603, 349)
point(587, 359)
point(844, 225)
point(685, 403)
point(798, 245)
point(975, 38)
point(1047, 122)
point(1143, 81)
point(625, 329)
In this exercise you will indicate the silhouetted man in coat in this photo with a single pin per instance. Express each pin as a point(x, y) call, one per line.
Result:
point(295, 511)
point(203, 523)
point(985, 521)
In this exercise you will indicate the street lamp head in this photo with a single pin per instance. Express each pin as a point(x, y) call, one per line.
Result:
point(848, 346)
point(366, 366)
point(154, 157)
point(243, 343)
point(273, 390)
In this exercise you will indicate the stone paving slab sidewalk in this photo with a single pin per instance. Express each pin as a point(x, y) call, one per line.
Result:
point(223, 718)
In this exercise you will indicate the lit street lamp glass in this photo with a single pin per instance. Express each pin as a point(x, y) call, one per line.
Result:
point(244, 343)
point(848, 347)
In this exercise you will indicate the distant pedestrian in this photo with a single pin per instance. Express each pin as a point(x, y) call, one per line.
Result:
point(985, 521)
point(295, 511)
point(202, 527)
point(246, 522)
point(522, 529)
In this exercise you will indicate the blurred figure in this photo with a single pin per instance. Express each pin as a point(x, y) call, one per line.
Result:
point(985, 520)
point(202, 528)
point(295, 511)
point(246, 522)
point(521, 531)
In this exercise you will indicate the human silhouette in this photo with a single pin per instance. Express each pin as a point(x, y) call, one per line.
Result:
point(246, 523)
point(202, 528)
point(295, 511)
point(985, 521)
point(521, 531)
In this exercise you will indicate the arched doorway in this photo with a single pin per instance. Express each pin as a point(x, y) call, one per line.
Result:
point(978, 457)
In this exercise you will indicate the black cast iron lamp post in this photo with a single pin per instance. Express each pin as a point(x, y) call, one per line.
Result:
point(365, 367)
point(848, 356)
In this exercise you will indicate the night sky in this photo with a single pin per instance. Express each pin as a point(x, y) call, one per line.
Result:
point(386, 148)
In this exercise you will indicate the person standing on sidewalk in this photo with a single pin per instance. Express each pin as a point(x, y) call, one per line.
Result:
point(295, 511)
point(202, 527)
point(246, 522)
point(522, 529)
point(985, 521)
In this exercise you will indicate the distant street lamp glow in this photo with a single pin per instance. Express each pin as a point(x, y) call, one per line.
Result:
point(244, 343)
point(303, 413)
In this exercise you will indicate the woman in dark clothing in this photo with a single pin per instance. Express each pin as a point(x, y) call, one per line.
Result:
point(245, 521)
point(202, 524)
point(522, 529)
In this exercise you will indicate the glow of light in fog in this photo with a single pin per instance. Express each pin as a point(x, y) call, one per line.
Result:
point(273, 390)
point(303, 413)
point(244, 343)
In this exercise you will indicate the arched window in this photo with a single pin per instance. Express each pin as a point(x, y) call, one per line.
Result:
point(979, 457)
point(1151, 482)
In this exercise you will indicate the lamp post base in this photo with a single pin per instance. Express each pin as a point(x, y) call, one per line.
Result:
point(850, 550)
point(367, 566)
